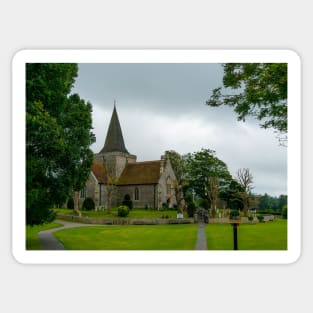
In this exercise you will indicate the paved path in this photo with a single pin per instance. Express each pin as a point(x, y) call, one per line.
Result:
point(201, 240)
point(49, 242)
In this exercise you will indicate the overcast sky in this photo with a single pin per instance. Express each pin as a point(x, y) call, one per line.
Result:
point(162, 107)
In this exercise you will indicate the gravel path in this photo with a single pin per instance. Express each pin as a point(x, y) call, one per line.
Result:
point(201, 240)
point(49, 242)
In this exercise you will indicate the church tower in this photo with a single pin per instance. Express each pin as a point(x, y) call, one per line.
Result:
point(114, 154)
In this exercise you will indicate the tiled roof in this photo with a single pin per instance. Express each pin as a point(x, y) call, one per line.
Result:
point(140, 173)
point(99, 171)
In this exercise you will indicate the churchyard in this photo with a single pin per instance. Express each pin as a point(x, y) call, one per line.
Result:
point(259, 236)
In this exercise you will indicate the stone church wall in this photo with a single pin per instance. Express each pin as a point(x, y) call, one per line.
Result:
point(147, 195)
point(167, 171)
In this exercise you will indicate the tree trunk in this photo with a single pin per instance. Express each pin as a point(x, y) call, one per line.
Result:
point(76, 208)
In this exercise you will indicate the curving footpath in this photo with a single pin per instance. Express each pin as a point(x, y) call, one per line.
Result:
point(49, 242)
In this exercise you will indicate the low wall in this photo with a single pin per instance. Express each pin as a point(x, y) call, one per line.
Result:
point(124, 221)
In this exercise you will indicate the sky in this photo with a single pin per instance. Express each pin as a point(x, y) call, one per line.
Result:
point(162, 107)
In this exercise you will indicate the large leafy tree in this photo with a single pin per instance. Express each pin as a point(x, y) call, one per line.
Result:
point(58, 136)
point(207, 175)
point(255, 89)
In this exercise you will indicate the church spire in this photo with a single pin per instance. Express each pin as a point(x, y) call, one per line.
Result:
point(114, 141)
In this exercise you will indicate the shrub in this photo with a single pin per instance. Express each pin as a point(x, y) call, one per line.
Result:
point(234, 214)
point(191, 208)
point(260, 218)
point(127, 201)
point(204, 203)
point(284, 211)
point(88, 204)
point(250, 218)
point(122, 211)
point(70, 204)
point(165, 206)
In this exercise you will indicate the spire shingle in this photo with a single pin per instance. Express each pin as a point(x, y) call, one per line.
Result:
point(114, 141)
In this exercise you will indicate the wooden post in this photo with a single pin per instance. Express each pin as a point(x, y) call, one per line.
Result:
point(235, 226)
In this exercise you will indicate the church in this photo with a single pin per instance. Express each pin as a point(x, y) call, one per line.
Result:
point(116, 173)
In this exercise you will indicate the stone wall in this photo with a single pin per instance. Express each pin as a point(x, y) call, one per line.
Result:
point(147, 195)
point(116, 161)
point(166, 171)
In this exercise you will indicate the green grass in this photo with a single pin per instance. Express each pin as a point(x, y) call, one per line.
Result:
point(32, 239)
point(130, 237)
point(133, 214)
point(260, 236)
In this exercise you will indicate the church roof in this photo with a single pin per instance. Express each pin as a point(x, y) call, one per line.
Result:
point(99, 172)
point(141, 173)
point(114, 141)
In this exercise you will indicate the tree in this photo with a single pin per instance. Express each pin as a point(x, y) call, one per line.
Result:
point(245, 180)
point(231, 194)
point(207, 175)
point(58, 136)
point(255, 89)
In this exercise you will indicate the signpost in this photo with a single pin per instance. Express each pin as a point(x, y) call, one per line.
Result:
point(235, 226)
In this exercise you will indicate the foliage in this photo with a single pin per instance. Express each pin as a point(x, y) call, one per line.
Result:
point(260, 218)
point(127, 201)
point(122, 211)
point(255, 89)
point(191, 208)
point(70, 204)
point(231, 194)
point(205, 204)
point(284, 212)
point(234, 213)
point(207, 175)
point(58, 136)
point(88, 204)
point(267, 202)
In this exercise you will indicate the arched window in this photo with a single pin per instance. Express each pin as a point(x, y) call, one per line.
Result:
point(136, 193)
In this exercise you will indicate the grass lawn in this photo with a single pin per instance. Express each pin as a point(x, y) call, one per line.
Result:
point(130, 237)
point(134, 213)
point(260, 236)
point(32, 239)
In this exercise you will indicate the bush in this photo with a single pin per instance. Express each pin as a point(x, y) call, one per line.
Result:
point(284, 211)
point(234, 214)
point(70, 204)
point(191, 208)
point(165, 206)
point(260, 218)
point(127, 201)
point(88, 204)
point(122, 211)
point(204, 203)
